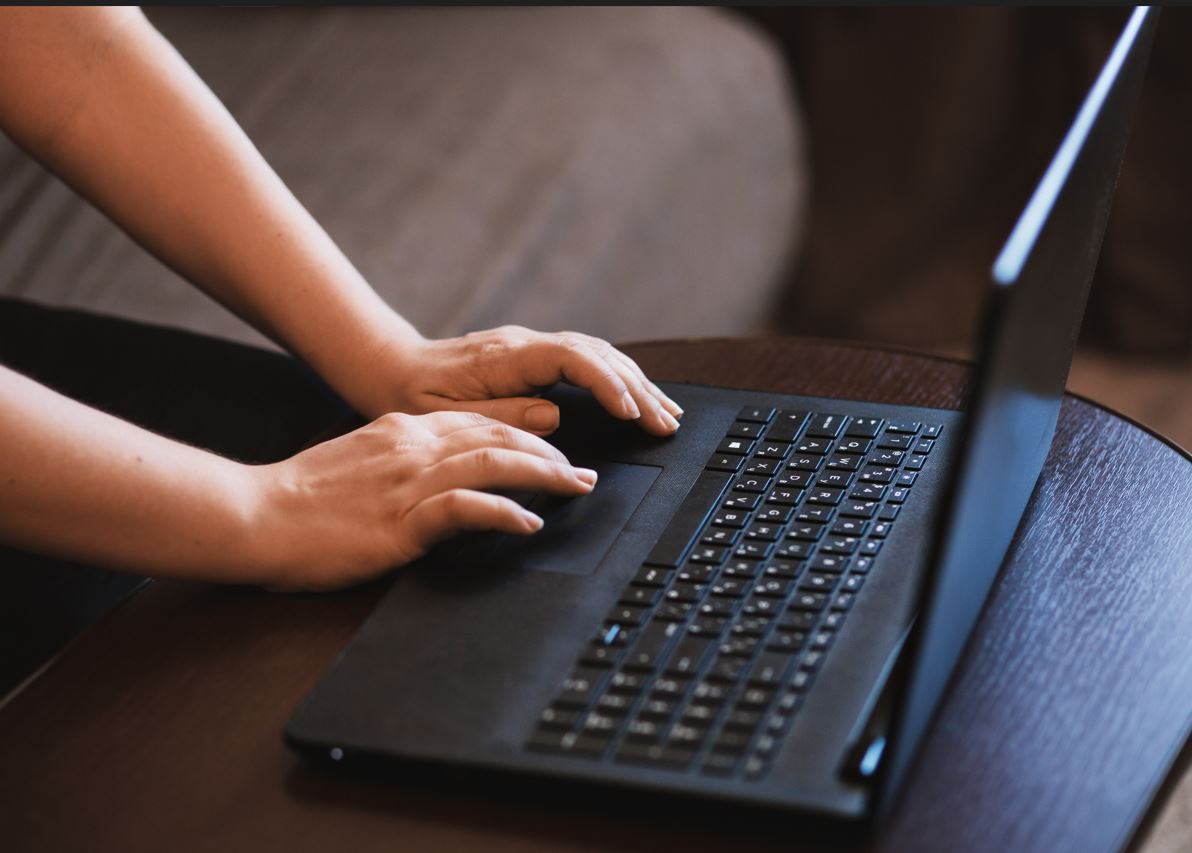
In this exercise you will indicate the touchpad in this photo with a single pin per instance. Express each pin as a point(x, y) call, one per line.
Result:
point(579, 531)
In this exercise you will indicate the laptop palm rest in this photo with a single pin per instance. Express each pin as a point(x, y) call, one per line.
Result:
point(578, 532)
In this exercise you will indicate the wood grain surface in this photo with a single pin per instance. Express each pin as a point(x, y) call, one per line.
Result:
point(159, 729)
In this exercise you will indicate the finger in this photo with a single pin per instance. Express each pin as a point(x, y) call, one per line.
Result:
point(497, 435)
point(445, 513)
point(670, 405)
point(526, 413)
point(562, 356)
point(654, 419)
point(643, 389)
point(497, 468)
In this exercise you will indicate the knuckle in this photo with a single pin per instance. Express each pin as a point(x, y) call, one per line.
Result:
point(487, 459)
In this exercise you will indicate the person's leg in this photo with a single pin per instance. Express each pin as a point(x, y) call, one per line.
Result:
point(239, 401)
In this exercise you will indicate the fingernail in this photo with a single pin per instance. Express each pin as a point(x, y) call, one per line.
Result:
point(542, 417)
point(670, 421)
point(533, 522)
point(630, 407)
point(587, 475)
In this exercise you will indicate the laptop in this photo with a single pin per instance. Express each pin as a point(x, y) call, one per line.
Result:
point(765, 609)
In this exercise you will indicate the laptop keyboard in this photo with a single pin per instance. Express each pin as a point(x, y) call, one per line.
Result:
point(708, 654)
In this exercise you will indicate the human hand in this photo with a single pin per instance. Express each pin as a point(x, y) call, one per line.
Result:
point(349, 509)
point(493, 372)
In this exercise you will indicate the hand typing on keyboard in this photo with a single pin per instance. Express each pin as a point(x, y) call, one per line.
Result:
point(348, 509)
point(491, 372)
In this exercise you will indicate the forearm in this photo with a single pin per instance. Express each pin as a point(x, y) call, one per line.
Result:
point(101, 98)
point(81, 484)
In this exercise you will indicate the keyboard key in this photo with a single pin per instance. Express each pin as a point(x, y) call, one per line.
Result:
point(845, 462)
point(627, 682)
point(782, 570)
point(850, 527)
point(861, 565)
point(763, 531)
point(838, 545)
point(743, 719)
point(898, 494)
point(614, 704)
point(793, 550)
point(909, 427)
point(826, 426)
point(887, 457)
point(793, 480)
point(853, 446)
point(906, 479)
point(640, 596)
point(726, 669)
point(741, 500)
point(755, 414)
point(768, 669)
point(732, 741)
point(688, 655)
point(804, 462)
point(773, 588)
point(720, 537)
point(683, 527)
point(826, 497)
point(755, 697)
point(889, 512)
point(687, 593)
point(724, 462)
point(859, 509)
point(735, 446)
point(878, 473)
point(772, 450)
point(829, 563)
point(705, 554)
point(651, 576)
point(753, 550)
point(870, 547)
point(741, 569)
point(864, 427)
point(764, 467)
point(834, 479)
point(853, 583)
point(563, 719)
point(932, 430)
point(627, 615)
point(745, 429)
point(880, 530)
point(786, 426)
point(600, 656)
point(775, 513)
point(730, 518)
point(580, 687)
point(720, 763)
point(784, 497)
point(818, 582)
point(798, 620)
point(891, 441)
point(739, 646)
point(643, 730)
point(731, 588)
point(916, 462)
point(816, 446)
point(751, 484)
point(810, 601)
point(647, 649)
point(868, 492)
point(786, 641)
point(814, 513)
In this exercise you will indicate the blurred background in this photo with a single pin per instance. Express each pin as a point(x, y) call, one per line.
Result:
point(659, 172)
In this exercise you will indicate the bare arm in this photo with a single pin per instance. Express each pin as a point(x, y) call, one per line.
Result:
point(79, 483)
point(104, 100)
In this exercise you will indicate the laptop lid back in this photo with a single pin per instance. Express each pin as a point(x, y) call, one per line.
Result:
point(1037, 299)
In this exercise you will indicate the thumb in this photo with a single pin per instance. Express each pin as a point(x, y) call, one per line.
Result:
point(529, 413)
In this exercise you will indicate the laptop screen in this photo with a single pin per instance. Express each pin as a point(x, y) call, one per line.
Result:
point(1037, 300)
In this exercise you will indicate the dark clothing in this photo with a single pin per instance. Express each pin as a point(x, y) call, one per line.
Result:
point(238, 401)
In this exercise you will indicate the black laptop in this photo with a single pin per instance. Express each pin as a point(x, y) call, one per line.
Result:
point(766, 608)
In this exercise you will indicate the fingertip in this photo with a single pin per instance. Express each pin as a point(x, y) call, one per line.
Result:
point(530, 522)
point(542, 418)
point(586, 476)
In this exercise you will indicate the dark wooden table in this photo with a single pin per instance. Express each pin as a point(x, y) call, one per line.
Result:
point(159, 729)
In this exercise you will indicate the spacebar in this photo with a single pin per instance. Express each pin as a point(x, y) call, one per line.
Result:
point(672, 545)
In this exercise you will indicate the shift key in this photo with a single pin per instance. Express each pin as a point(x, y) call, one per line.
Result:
point(681, 531)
